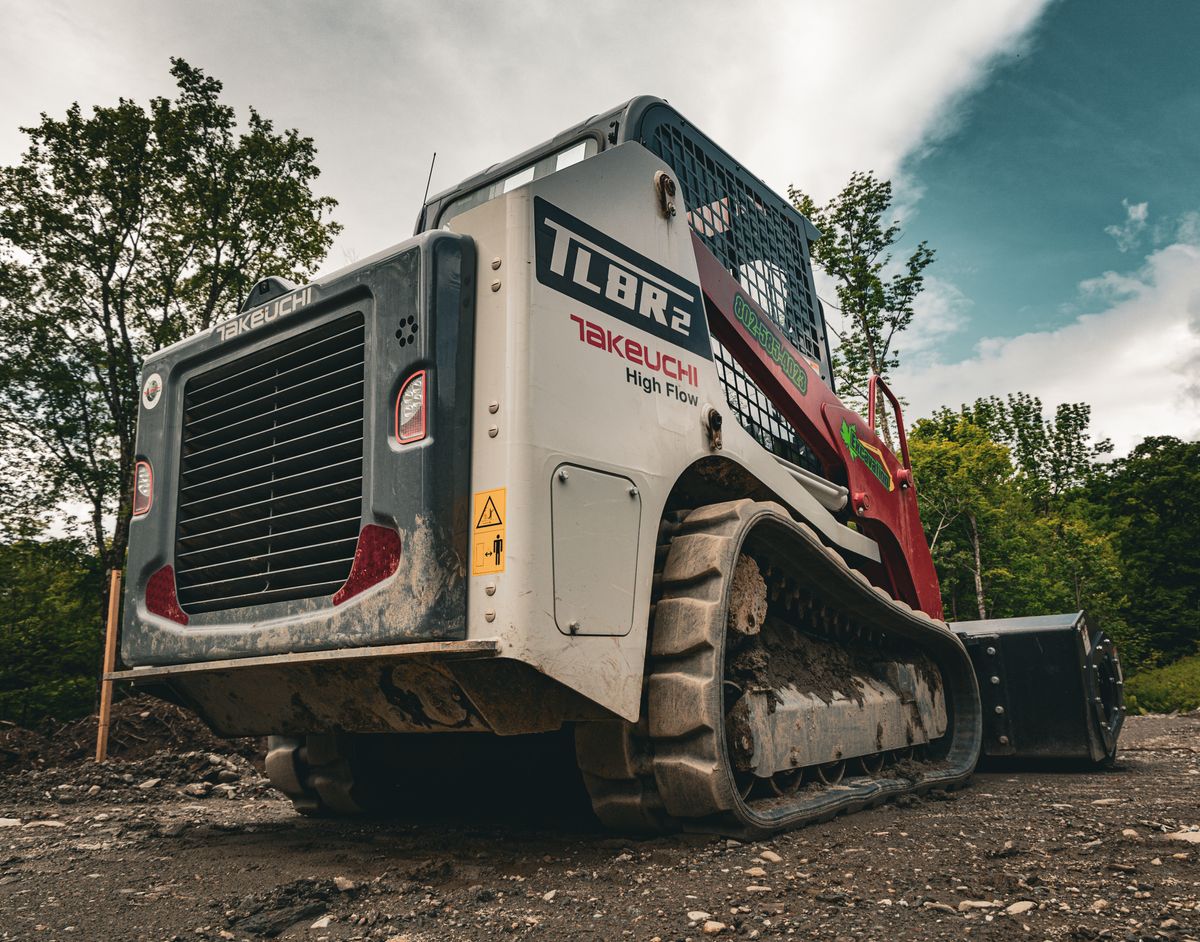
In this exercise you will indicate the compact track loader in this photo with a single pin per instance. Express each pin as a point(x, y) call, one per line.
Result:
point(572, 457)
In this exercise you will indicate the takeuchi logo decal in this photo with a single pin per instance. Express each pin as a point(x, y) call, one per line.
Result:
point(869, 455)
point(771, 344)
point(152, 390)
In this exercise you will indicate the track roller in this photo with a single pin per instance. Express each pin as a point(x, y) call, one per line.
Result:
point(318, 773)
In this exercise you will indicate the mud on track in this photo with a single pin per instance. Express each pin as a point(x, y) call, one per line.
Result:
point(209, 851)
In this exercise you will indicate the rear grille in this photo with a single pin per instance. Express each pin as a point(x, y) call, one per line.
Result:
point(270, 489)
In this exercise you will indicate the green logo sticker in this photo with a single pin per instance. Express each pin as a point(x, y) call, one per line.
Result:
point(771, 344)
point(869, 455)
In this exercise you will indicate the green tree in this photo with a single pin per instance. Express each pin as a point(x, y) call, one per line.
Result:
point(1053, 456)
point(1034, 542)
point(1152, 500)
point(875, 298)
point(995, 549)
point(121, 232)
point(960, 476)
point(50, 601)
point(22, 511)
point(1058, 561)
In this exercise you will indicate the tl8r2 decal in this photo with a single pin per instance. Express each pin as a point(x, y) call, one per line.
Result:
point(590, 267)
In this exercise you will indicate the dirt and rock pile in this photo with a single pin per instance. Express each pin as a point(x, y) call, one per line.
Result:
point(149, 847)
point(156, 751)
point(140, 727)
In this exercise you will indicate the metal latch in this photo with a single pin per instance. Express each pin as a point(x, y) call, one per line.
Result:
point(664, 186)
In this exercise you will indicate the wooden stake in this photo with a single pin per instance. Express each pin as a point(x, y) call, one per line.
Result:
point(110, 664)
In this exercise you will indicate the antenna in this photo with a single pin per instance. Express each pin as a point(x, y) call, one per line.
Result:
point(429, 179)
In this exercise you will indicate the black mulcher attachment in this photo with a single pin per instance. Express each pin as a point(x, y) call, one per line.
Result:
point(1051, 687)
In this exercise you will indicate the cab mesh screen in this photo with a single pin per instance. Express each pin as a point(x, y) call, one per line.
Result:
point(760, 241)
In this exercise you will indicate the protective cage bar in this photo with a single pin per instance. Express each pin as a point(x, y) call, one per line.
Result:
point(763, 243)
point(756, 414)
point(270, 485)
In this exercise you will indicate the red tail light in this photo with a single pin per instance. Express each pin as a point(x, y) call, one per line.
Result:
point(376, 557)
point(410, 409)
point(143, 488)
point(161, 598)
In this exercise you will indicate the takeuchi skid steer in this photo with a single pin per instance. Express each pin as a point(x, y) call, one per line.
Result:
point(572, 456)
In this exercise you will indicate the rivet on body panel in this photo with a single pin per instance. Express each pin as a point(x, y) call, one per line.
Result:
point(495, 263)
point(490, 588)
point(489, 615)
point(493, 431)
point(496, 285)
point(493, 407)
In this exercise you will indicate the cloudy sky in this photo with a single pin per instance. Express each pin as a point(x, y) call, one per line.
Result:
point(1048, 151)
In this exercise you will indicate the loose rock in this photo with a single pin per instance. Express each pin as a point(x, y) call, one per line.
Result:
point(253, 869)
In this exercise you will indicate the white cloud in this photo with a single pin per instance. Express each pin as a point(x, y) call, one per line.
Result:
point(803, 92)
point(1189, 228)
point(1129, 234)
point(940, 311)
point(1136, 359)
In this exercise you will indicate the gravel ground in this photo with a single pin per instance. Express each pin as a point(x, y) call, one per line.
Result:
point(195, 845)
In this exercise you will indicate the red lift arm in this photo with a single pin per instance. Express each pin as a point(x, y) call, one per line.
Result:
point(883, 498)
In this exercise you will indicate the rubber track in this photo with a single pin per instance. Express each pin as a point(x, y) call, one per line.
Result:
point(675, 771)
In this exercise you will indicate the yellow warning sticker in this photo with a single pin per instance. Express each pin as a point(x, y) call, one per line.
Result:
point(488, 549)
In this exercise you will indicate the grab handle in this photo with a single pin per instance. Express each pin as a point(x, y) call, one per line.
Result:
point(877, 381)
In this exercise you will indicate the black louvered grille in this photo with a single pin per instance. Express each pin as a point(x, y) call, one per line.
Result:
point(270, 489)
